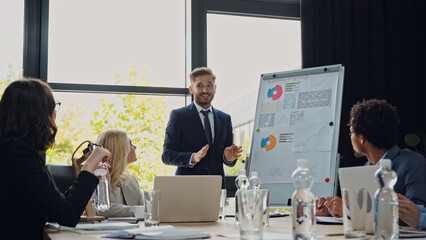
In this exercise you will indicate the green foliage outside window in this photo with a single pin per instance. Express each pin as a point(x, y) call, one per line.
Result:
point(143, 118)
point(72, 130)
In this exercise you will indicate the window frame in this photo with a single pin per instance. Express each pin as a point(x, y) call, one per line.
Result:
point(36, 24)
point(278, 9)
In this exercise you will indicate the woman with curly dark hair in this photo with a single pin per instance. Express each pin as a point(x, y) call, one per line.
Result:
point(29, 194)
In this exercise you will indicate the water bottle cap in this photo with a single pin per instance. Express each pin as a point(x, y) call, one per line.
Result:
point(242, 172)
point(254, 174)
point(302, 163)
point(385, 163)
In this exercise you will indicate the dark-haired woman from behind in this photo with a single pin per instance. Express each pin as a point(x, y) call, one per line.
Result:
point(29, 194)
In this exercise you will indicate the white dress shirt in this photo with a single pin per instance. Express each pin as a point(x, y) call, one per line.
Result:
point(210, 115)
point(211, 119)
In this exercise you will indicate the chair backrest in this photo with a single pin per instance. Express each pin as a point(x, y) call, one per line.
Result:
point(231, 188)
point(63, 175)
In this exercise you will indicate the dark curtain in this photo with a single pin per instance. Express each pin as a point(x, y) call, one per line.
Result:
point(382, 46)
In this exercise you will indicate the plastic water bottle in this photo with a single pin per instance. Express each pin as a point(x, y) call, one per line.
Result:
point(303, 200)
point(255, 181)
point(386, 203)
point(103, 201)
point(242, 182)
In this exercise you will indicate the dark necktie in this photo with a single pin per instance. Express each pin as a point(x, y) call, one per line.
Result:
point(207, 127)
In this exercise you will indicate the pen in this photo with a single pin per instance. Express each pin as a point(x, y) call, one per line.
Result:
point(334, 234)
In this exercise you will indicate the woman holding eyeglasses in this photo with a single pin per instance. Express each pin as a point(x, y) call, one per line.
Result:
point(29, 196)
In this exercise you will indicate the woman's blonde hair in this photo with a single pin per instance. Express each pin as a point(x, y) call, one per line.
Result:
point(117, 142)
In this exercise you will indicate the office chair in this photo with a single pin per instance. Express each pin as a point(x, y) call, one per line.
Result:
point(63, 175)
point(231, 188)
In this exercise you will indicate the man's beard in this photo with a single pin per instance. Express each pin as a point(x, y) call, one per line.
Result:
point(200, 100)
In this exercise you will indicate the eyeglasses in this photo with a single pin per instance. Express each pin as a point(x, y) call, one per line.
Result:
point(57, 106)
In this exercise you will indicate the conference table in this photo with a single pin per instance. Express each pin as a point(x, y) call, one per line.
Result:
point(222, 229)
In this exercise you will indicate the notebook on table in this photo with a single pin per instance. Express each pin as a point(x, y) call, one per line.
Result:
point(189, 198)
point(361, 177)
point(95, 227)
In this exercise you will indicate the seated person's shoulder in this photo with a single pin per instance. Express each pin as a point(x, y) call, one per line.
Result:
point(131, 183)
point(133, 178)
point(22, 151)
point(409, 161)
point(413, 157)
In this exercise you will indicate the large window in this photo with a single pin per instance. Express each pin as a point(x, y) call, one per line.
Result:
point(11, 41)
point(93, 41)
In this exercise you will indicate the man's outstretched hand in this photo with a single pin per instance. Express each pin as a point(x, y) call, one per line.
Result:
point(232, 152)
point(196, 157)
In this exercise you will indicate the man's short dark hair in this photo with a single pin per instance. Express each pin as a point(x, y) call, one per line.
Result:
point(200, 72)
point(377, 121)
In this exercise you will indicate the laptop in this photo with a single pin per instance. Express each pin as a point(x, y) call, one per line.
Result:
point(189, 198)
point(361, 177)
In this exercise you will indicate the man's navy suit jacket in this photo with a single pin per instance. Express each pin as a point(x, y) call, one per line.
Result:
point(410, 168)
point(185, 135)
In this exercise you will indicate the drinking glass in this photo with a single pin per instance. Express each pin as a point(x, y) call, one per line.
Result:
point(250, 210)
point(222, 206)
point(354, 206)
point(265, 209)
point(151, 201)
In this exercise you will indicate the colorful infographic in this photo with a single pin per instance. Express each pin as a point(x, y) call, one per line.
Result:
point(275, 92)
point(297, 116)
point(268, 143)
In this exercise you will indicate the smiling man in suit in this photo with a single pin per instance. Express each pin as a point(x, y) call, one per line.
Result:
point(199, 137)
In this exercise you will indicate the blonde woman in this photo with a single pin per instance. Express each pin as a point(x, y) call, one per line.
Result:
point(125, 190)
